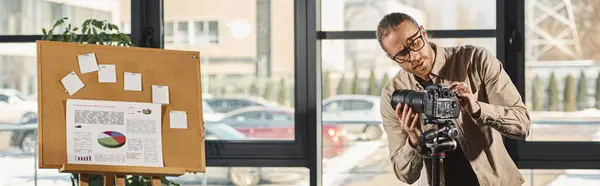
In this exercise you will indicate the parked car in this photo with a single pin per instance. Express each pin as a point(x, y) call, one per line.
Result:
point(358, 114)
point(26, 140)
point(277, 123)
point(208, 114)
point(16, 107)
point(224, 104)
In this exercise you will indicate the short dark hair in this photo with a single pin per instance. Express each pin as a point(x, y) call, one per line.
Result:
point(389, 22)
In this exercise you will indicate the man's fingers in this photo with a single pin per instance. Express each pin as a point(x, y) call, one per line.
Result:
point(399, 111)
point(404, 111)
point(406, 119)
point(413, 123)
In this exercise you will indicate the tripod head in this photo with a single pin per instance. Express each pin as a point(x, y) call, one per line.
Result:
point(437, 141)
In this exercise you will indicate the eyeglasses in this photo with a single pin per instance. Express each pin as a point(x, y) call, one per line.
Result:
point(415, 45)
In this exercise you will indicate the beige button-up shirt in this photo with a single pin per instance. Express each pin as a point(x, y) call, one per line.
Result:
point(503, 113)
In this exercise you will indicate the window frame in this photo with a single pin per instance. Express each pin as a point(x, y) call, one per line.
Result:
point(149, 14)
point(535, 154)
point(147, 31)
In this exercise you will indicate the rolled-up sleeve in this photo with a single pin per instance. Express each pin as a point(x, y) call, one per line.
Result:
point(406, 161)
point(505, 110)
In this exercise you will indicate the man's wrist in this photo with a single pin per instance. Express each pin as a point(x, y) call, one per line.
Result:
point(414, 141)
point(475, 109)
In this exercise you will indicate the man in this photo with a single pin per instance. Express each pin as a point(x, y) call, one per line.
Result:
point(491, 107)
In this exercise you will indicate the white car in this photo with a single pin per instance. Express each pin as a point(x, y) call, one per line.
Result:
point(359, 114)
point(208, 114)
point(16, 107)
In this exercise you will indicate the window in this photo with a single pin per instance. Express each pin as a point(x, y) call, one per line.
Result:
point(206, 32)
point(3, 98)
point(432, 14)
point(169, 34)
point(233, 74)
point(191, 33)
point(335, 106)
point(361, 105)
point(18, 76)
point(248, 116)
point(562, 70)
point(182, 32)
point(21, 17)
point(277, 117)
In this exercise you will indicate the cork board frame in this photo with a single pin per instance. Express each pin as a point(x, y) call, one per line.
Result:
point(180, 70)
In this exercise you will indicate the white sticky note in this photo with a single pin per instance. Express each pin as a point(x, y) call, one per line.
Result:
point(87, 63)
point(160, 94)
point(178, 119)
point(72, 83)
point(133, 81)
point(107, 74)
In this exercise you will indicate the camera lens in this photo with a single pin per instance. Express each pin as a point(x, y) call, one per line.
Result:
point(413, 98)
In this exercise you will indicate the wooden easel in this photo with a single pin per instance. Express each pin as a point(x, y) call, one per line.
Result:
point(115, 175)
point(183, 150)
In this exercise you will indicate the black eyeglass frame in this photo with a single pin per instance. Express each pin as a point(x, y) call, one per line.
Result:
point(408, 48)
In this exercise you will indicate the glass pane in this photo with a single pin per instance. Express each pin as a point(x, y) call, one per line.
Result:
point(341, 58)
point(562, 70)
point(259, 176)
point(247, 64)
point(29, 17)
point(355, 151)
point(340, 15)
point(560, 177)
point(17, 150)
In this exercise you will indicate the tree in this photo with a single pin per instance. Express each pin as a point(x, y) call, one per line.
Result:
point(582, 94)
point(223, 91)
point(537, 94)
point(553, 92)
point(598, 91)
point(268, 91)
point(384, 82)
point(355, 84)
point(569, 94)
point(342, 87)
point(373, 86)
point(325, 90)
point(253, 89)
point(282, 96)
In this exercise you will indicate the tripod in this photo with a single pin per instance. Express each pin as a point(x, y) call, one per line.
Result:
point(440, 140)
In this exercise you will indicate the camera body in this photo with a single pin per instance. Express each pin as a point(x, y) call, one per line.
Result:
point(437, 102)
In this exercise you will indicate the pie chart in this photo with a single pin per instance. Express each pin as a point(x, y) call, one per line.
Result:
point(111, 139)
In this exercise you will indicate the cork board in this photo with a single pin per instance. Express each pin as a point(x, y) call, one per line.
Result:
point(180, 70)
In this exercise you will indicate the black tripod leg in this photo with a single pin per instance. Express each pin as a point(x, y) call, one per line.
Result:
point(435, 171)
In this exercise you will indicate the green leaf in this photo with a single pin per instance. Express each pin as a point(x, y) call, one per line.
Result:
point(75, 29)
point(56, 24)
point(97, 24)
point(44, 31)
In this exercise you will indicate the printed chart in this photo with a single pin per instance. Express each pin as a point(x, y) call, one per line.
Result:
point(111, 139)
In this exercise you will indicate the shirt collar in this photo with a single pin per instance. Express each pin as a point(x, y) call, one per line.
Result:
point(440, 59)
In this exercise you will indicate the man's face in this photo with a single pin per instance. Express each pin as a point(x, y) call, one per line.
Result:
point(407, 45)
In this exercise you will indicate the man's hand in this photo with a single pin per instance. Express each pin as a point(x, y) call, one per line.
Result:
point(467, 99)
point(409, 122)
